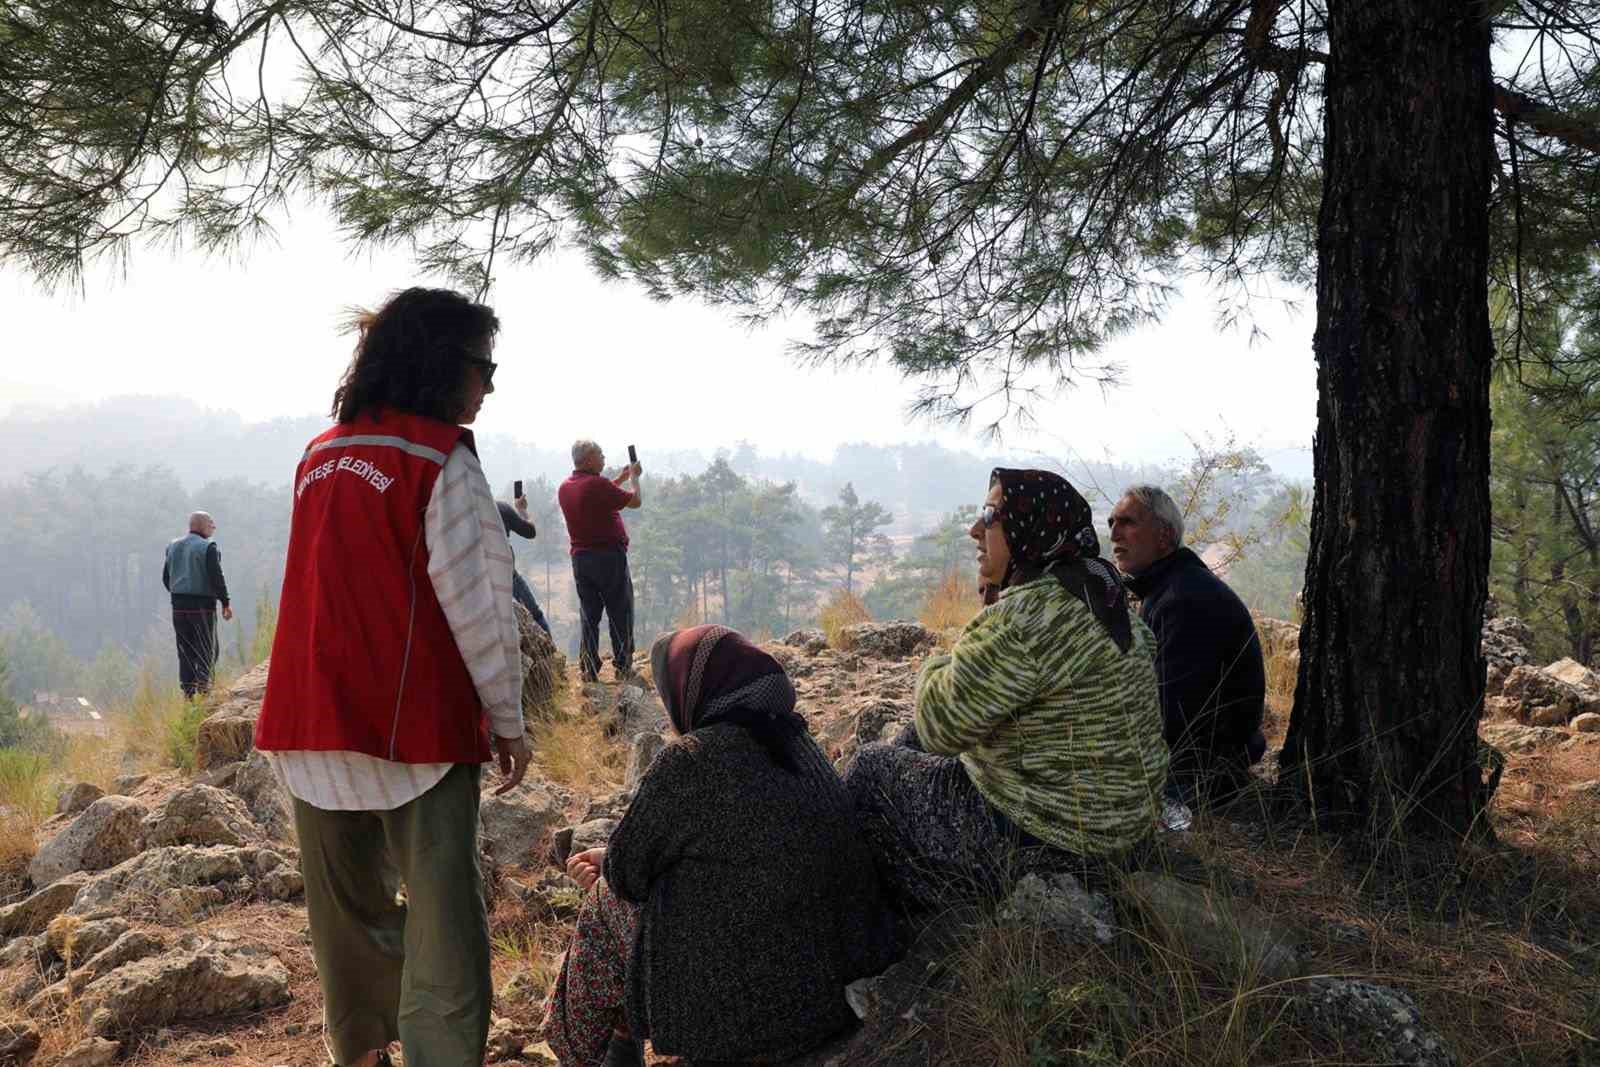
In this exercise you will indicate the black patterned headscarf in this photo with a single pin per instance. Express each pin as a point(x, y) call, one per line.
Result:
point(1049, 527)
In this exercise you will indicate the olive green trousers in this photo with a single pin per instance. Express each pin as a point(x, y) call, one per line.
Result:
point(418, 971)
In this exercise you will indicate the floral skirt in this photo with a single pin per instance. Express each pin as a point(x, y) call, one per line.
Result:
point(588, 1002)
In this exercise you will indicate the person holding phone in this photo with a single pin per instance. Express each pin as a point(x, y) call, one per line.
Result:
point(514, 516)
point(593, 506)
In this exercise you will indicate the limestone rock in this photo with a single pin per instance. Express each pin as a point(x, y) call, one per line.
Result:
point(515, 823)
point(199, 815)
point(1374, 1020)
point(889, 640)
point(282, 883)
point(228, 733)
point(136, 884)
point(1550, 715)
point(1057, 902)
point(132, 945)
point(1232, 936)
point(185, 904)
point(640, 754)
point(1506, 640)
point(1521, 739)
point(609, 806)
point(201, 979)
point(543, 667)
point(1534, 689)
point(1587, 723)
point(572, 840)
point(128, 784)
point(34, 950)
point(77, 941)
point(637, 711)
point(18, 1042)
point(810, 641)
point(91, 1052)
point(1500, 708)
point(77, 796)
point(258, 787)
point(32, 914)
point(1576, 675)
point(107, 832)
point(881, 720)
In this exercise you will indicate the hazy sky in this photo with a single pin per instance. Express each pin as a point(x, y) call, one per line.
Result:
point(579, 357)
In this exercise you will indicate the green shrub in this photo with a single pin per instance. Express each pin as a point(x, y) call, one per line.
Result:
point(182, 730)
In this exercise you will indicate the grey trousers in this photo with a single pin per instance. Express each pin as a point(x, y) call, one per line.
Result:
point(416, 972)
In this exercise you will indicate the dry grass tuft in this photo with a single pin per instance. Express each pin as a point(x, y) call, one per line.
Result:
point(842, 611)
point(951, 605)
point(157, 728)
point(572, 749)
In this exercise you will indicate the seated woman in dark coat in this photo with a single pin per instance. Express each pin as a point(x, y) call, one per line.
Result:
point(738, 898)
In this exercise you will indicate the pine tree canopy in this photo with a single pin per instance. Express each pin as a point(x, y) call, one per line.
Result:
point(970, 188)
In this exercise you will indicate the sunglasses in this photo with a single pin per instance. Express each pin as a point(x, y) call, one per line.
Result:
point(989, 515)
point(486, 369)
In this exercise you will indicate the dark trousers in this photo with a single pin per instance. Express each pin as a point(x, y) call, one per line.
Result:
point(522, 593)
point(604, 584)
point(196, 630)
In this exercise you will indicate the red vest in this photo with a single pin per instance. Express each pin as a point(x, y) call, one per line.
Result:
point(363, 659)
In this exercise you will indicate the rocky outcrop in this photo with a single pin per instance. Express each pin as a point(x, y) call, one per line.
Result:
point(71, 938)
point(199, 815)
point(1544, 699)
point(136, 885)
point(635, 711)
point(1238, 940)
point(889, 640)
point(644, 749)
point(516, 823)
point(1058, 903)
point(258, 787)
point(1587, 723)
point(77, 796)
point(1576, 675)
point(106, 832)
point(18, 1042)
point(544, 669)
point(1372, 1020)
point(33, 913)
point(92, 1052)
point(199, 979)
point(228, 733)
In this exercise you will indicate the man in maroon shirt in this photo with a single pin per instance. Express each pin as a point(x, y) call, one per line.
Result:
point(592, 504)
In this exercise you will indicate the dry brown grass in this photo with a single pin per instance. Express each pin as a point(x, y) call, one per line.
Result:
point(156, 729)
point(842, 611)
point(951, 605)
point(571, 748)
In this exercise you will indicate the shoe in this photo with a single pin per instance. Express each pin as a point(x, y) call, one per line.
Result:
point(624, 1052)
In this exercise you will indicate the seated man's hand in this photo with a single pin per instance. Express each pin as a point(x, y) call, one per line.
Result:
point(513, 755)
point(585, 867)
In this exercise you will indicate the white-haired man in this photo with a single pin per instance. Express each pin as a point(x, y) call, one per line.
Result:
point(192, 573)
point(1208, 655)
point(592, 505)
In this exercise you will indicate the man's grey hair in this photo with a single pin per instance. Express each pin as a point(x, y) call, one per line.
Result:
point(198, 520)
point(1163, 507)
point(582, 449)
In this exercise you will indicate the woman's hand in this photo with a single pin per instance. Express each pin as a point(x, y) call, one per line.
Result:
point(585, 867)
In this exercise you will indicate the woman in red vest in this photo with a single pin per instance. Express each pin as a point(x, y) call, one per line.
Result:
point(395, 668)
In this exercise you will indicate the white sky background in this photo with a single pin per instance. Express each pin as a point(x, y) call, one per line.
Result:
point(580, 357)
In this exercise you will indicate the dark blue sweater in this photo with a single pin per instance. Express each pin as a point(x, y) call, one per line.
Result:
point(1208, 663)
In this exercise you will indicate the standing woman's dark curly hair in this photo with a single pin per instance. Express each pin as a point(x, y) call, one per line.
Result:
point(412, 355)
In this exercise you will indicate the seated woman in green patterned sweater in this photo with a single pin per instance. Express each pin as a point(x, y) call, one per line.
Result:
point(1037, 740)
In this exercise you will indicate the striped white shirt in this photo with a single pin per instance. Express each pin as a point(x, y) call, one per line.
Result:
point(469, 564)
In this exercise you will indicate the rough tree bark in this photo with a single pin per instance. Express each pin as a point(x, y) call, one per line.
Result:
point(1384, 727)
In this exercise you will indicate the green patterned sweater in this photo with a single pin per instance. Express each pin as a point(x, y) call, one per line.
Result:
point(1056, 728)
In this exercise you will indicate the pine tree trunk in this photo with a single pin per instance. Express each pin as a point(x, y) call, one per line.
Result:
point(1384, 728)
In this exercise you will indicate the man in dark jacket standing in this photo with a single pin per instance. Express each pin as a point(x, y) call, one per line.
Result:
point(1208, 659)
point(193, 575)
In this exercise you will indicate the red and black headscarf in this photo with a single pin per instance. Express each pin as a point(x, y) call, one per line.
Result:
point(710, 674)
point(1049, 527)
